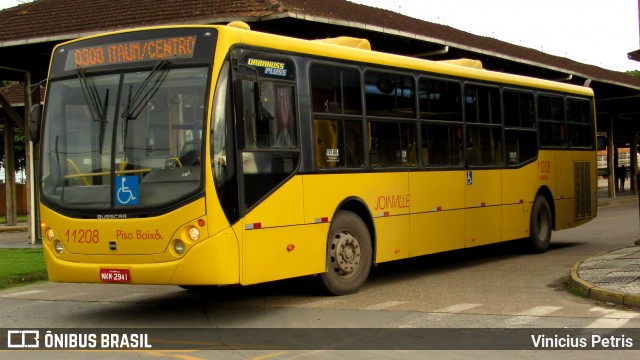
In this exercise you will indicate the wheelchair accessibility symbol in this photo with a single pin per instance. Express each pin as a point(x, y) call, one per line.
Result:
point(127, 190)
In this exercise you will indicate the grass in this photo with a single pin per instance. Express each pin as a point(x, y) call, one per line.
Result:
point(19, 218)
point(21, 266)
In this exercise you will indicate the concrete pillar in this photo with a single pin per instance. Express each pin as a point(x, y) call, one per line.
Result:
point(616, 165)
point(634, 163)
point(32, 96)
point(611, 151)
point(9, 173)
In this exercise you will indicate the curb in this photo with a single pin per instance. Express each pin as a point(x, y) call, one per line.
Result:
point(618, 201)
point(586, 289)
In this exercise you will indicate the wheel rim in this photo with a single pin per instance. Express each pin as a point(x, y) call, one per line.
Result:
point(346, 254)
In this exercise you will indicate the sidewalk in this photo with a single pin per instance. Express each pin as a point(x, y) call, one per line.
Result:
point(16, 236)
point(622, 198)
point(612, 277)
point(12, 228)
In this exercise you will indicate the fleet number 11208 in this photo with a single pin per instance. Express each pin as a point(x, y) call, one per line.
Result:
point(83, 236)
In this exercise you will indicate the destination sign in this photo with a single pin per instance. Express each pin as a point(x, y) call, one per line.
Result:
point(179, 47)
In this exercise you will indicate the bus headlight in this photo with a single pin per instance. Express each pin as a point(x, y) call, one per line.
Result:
point(193, 233)
point(178, 247)
point(58, 246)
point(50, 234)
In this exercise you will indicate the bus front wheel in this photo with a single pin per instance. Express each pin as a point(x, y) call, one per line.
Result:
point(541, 225)
point(349, 254)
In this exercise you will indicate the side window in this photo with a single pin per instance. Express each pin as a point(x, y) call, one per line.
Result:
point(552, 128)
point(484, 126)
point(390, 95)
point(519, 110)
point(272, 124)
point(267, 130)
point(521, 143)
point(336, 89)
point(390, 100)
point(441, 122)
point(337, 113)
point(482, 105)
point(392, 144)
point(581, 132)
point(338, 143)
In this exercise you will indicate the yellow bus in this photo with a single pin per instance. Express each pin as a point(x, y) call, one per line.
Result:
point(217, 155)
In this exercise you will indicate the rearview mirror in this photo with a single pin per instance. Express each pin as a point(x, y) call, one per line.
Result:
point(34, 122)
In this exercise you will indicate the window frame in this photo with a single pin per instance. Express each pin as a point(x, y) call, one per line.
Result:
point(342, 117)
point(450, 124)
point(540, 121)
point(246, 165)
point(483, 125)
point(533, 129)
point(396, 114)
point(590, 123)
point(495, 126)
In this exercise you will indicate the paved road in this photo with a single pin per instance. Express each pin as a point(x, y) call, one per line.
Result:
point(495, 287)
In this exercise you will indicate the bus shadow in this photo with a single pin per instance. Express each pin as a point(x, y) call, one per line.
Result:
point(256, 300)
point(460, 259)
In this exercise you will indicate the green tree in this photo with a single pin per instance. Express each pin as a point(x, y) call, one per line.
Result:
point(634, 73)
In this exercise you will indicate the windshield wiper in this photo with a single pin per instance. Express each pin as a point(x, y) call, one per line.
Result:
point(136, 103)
point(97, 108)
point(146, 91)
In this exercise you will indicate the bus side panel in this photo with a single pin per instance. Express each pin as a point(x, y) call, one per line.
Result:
point(519, 187)
point(437, 208)
point(267, 256)
point(323, 193)
point(393, 238)
point(483, 225)
point(213, 261)
point(564, 209)
point(563, 170)
point(587, 196)
point(386, 196)
point(276, 243)
point(484, 210)
point(435, 232)
point(576, 202)
point(515, 221)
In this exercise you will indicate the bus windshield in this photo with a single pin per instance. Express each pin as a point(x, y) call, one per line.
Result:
point(124, 140)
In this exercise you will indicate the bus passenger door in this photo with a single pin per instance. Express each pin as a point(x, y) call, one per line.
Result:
point(273, 241)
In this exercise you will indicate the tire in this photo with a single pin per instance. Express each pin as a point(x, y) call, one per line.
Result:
point(349, 254)
point(541, 225)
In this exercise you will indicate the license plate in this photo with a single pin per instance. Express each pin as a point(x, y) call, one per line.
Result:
point(115, 275)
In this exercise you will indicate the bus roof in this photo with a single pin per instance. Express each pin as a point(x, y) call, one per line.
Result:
point(359, 50)
point(336, 49)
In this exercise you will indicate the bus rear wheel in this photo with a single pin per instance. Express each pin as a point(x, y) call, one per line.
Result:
point(541, 225)
point(349, 254)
